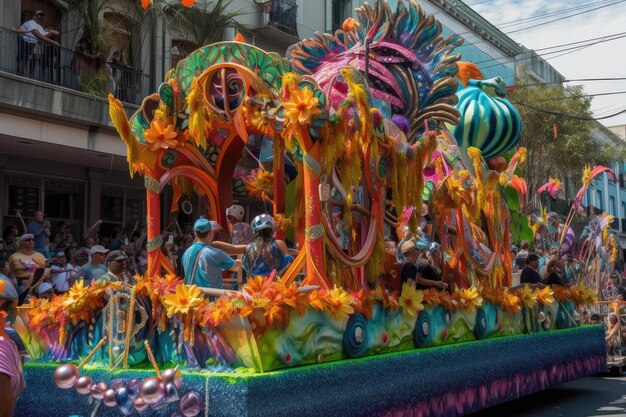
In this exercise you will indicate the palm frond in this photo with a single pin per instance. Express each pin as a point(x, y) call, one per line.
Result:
point(206, 22)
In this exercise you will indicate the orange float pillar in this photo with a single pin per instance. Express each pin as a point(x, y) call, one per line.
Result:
point(314, 233)
point(153, 225)
point(279, 181)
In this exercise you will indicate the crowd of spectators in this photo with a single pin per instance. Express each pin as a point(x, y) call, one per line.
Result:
point(35, 243)
point(545, 267)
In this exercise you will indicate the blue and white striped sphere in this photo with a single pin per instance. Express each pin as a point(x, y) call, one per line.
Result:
point(488, 123)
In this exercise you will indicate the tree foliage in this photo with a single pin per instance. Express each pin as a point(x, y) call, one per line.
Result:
point(544, 109)
point(96, 30)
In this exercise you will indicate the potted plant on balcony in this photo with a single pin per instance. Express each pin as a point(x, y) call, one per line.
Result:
point(93, 45)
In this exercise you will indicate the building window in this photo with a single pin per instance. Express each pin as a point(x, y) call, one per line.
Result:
point(120, 38)
point(599, 200)
point(60, 200)
point(283, 16)
point(179, 51)
point(50, 8)
point(63, 199)
point(340, 12)
point(120, 206)
point(612, 208)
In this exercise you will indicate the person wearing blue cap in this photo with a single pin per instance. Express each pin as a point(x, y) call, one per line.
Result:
point(202, 263)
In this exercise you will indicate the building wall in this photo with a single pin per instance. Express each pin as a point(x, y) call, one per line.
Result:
point(608, 195)
point(619, 130)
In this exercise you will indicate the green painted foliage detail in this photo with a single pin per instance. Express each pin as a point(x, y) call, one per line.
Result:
point(520, 230)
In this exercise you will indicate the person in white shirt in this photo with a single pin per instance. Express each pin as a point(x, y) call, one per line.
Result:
point(33, 33)
point(63, 274)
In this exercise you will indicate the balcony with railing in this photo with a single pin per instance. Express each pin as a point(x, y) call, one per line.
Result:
point(57, 66)
point(281, 16)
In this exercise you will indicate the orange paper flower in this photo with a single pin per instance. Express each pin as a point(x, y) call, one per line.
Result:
point(301, 106)
point(159, 136)
point(545, 295)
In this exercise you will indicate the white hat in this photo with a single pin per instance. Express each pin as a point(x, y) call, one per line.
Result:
point(46, 286)
point(407, 246)
point(236, 211)
point(97, 249)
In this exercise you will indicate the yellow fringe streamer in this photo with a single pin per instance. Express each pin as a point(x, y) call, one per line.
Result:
point(196, 115)
point(121, 124)
point(375, 264)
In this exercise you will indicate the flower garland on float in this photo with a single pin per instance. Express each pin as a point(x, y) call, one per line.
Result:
point(268, 301)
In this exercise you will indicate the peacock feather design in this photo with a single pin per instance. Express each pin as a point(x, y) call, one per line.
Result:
point(409, 66)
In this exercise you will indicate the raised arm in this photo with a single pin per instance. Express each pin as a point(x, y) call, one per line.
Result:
point(229, 248)
point(429, 282)
point(139, 242)
point(283, 247)
point(93, 230)
point(43, 37)
point(21, 219)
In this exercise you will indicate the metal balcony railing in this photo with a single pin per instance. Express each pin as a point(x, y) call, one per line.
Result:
point(282, 14)
point(58, 66)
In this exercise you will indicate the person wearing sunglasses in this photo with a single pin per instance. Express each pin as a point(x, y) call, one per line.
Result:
point(25, 261)
point(94, 269)
point(117, 264)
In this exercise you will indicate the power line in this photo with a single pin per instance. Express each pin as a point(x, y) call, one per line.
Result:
point(570, 116)
point(605, 110)
point(525, 20)
point(610, 93)
point(565, 17)
point(572, 49)
point(574, 80)
point(537, 17)
point(498, 61)
point(577, 42)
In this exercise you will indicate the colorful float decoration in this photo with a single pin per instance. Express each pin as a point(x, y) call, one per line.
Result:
point(368, 125)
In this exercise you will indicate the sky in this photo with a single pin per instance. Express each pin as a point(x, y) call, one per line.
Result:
point(603, 60)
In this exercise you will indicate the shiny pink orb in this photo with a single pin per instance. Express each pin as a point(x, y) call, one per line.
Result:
point(170, 375)
point(109, 398)
point(152, 390)
point(65, 376)
point(98, 390)
point(191, 404)
point(140, 405)
point(83, 385)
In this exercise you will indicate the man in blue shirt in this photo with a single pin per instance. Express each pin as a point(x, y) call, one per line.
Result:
point(41, 229)
point(94, 269)
point(202, 263)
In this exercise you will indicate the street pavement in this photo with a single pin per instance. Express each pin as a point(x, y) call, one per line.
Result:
point(587, 397)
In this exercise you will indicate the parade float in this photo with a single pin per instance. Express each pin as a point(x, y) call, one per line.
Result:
point(379, 125)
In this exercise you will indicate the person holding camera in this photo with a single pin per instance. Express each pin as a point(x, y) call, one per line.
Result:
point(40, 228)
